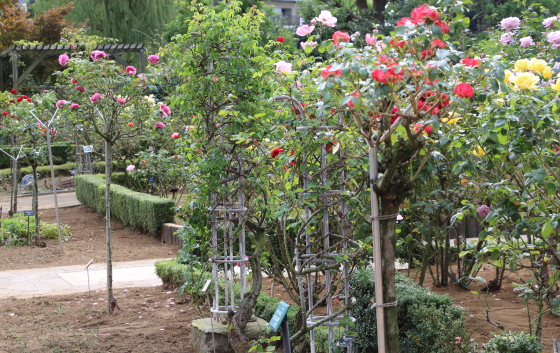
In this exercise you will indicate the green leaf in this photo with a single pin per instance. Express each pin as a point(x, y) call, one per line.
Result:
point(442, 53)
point(547, 229)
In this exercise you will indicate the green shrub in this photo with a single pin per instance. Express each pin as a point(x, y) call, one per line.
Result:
point(322, 338)
point(428, 322)
point(190, 280)
point(266, 306)
point(513, 342)
point(134, 209)
point(13, 231)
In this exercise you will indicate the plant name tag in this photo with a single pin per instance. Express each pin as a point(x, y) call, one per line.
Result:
point(279, 315)
point(28, 213)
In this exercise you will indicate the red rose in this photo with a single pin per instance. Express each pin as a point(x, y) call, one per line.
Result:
point(19, 99)
point(428, 129)
point(280, 39)
point(427, 53)
point(418, 127)
point(464, 90)
point(405, 21)
point(13, 91)
point(423, 13)
point(438, 43)
point(395, 44)
point(395, 110)
point(470, 62)
point(442, 25)
point(275, 152)
point(328, 72)
point(340, 36)
point(350, 104)
point(5, 113)
point(380, 76)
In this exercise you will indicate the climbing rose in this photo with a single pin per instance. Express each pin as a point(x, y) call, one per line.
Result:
point(554, 39)
point(526, 42)
point(130, 168)
point(159, 125)
point(483, 211)
point(131, 70)
point(121, 100)
point(95, 97)
point(340, 36)
point(470, 62)
point(326, 18)
point(438, 43)
point(164, 109)
point(74, 106)
point(275, 152)
point(175, 135)
point(63, 59)
point(283, 66)
point(280, 39)
point(510, 23)
point(506, 38)
point(154, 59)
point(60, 103)
point(304, 30)
point(98, 55)
point(327, 72)
point(464, 90)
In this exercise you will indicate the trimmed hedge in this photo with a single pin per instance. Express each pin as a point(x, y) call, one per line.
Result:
point(62, 153)
point(135, 209)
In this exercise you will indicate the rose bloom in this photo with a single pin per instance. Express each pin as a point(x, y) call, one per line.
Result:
point(13, 91)
point(554, 38)
point(6, 113)
point(483, 211)
point(506, 38)
point(370, 40)
point(419, 126)
point(63, 59)
point(80, 88)
point(130, 123)
point(74, 106)
point(510, 23)
point(283, 66)
point(130, 168)
point(470, 62)
point(351, 105)
point(280, 39)
point(95, 97)
point(538, 65)
point(327, 72)
point(121, 100)
point(550, 22)
point(304, 30)
point(131, 70)
point(556, 86)
point(464, 90)
point(443, 26)
point(405, 21)
point(438, 43)
point(521, 65)
point(60, 103)
point(175, 135)
point(164, 109)
point(159, 125)
point(422, 13)
point(340, 36)
point(154, 58)
point(306, 44)
point(275, 152)
point(526, 42)
point(380, 76)
point(524, 80)
point(97, 55)
point(326, 18)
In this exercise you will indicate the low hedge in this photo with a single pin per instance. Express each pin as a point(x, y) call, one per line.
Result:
point(136, 210)
point(428, 322)
point(62, 153)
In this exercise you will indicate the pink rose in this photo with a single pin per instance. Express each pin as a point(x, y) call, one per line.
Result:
point(154, 59)
point(73, 80)
point(283, 66)
point(80, 88)
point(304, 30)
point(159, 125)
point(95, 97)
point(340, 36)
point(550, 22)
point(175, 135)
point(121, 100)
point(326, 18)
point(506, 39)
point(60, 103)
point(74, 106)
point(370, 40)
point(483, 211)
point(97, 55)
point(526, 42)
point(63, 59)
point(510, 23)
point(131, 70)
point(130, 168)
point(165, 111)
point(554, 39)
point(306, 44)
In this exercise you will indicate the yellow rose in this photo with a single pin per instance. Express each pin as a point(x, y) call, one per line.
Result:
point(538, 65)
point(479, 151)
point(547, 73)
point(524, 80)
point(556, 86)
point(508, 75)
point(521, 65)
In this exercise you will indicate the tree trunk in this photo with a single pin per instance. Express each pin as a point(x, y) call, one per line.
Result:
point(13, 204)
point(361, 4)
point(35, 200)
point(379, 11)
point(388, 249)
point(110, 298)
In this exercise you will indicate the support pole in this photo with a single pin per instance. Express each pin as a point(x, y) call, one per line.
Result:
point(15, 69)
point(54, 189)
point(376, 235)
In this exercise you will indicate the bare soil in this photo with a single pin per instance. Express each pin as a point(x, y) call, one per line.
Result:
point(155, 319)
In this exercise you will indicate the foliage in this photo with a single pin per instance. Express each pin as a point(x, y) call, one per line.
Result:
point(428, 322)
point(134, 209)
point(267, 305)
point(513, 342)
point(14, 230)
point(62, 153)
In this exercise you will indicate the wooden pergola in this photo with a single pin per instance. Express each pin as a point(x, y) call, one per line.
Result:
point(43, 51)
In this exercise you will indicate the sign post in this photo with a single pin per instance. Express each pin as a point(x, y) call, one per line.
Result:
point(28, 214)
point(87, 270)
point(280, 318)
